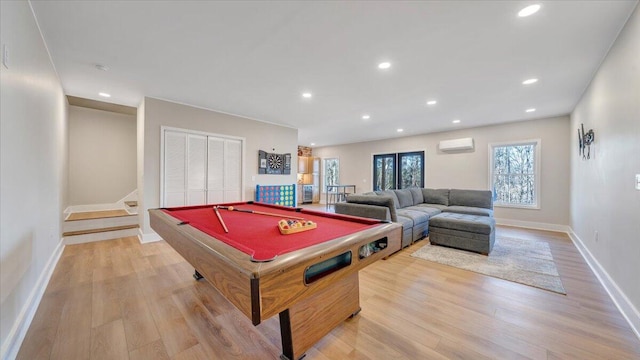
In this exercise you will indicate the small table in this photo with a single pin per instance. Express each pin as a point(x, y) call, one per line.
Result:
point(309, 278)
point(337, 193)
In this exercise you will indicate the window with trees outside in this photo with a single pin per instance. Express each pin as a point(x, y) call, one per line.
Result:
point(411, 169)
point(515, 173)
point(384, 172)
point(398, 170)
point(331, 172)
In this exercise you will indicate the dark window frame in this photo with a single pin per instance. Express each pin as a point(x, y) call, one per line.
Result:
point(397, 164)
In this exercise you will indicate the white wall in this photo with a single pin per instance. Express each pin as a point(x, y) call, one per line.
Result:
point(102, 156)
point(603, 197)
point(33, 168)
point(155, 113)
point(470, 170)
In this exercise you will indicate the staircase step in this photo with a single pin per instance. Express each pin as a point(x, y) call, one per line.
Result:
point(97, 215)
point(91, 223)
point(93, 231)
point(103, 234)
point(131, 203)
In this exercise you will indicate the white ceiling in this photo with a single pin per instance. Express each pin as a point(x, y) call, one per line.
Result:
point(255, 58)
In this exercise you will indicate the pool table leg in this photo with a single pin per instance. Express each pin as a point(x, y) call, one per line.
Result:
point(197, 275)
point(355, 313)
point(308, 321)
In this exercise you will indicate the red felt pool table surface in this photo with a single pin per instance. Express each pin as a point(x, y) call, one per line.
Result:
point(258, 235)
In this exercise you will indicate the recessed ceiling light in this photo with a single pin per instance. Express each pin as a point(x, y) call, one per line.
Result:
point(384, 65)
point(306, 95)
point(400, 130)
point(431, 102)
point(366, 117)
point(103, 94)
point(529, 81)
point(313, 144)
point(530, 110)
point(456, 121)
point(529, 10)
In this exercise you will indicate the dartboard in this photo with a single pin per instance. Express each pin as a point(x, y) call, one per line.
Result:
point(275, 161)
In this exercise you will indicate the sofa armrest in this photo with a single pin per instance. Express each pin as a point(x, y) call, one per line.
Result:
point(363, 210)
point(376, 200)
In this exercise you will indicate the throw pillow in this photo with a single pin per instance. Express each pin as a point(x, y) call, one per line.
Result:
point(416, 193)
point(436, 196)
point(404, 197)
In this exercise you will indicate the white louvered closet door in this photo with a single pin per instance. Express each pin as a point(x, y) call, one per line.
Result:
point(215, 170)
point(232, 170)
point(224, 170)
point(200, 169)
point(175, 155)
point(196, 169)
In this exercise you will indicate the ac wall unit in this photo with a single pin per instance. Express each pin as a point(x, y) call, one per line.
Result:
point(456, 144)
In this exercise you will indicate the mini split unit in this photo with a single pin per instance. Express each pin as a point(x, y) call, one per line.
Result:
point(456, 144)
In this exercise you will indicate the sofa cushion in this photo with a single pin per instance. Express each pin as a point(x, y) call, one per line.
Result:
point(436, 196)
point(473, 198)
point(463, 222)
point(435, 206)
point(391, 194)
point(431, 211)
point(404, 197)
point(407, 230)
point(418, 217)
point(407, 222)
point(469, 210)
point(375, 200)
point(416, 193)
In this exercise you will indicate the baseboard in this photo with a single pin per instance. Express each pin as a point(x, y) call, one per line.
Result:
point(629, 312)
point(533, 225)
point(19, 329)
point(147, 238)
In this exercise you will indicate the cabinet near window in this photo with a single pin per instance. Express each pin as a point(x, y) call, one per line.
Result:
point(309, 167)
point(305, 164)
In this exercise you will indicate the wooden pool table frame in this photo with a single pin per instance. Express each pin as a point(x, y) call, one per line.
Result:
point(261, 290)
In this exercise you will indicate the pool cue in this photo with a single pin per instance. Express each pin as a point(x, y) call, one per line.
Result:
point(231, 208)
point(224, 226)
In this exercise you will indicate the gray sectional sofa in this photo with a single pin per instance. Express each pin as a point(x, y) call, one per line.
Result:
point(414, 207)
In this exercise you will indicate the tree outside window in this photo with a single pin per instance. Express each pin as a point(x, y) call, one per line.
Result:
point(398, 170)
point(411, 171)
point(331, 172)
point(384, 172)
point(514, 173)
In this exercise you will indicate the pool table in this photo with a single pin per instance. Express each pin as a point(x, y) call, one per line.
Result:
point(308, 278)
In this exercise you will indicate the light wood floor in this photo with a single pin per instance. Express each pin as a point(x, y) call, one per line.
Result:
point(119, 299)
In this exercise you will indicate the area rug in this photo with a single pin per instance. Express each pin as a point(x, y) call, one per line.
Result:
point(523, 261)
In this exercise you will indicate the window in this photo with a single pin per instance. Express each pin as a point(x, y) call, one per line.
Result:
point(331, 172)
point(398, 170)
point(411, 170)
point(515, 173)
point(384, 171)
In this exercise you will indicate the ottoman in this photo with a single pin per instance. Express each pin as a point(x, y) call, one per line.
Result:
point(463, 231)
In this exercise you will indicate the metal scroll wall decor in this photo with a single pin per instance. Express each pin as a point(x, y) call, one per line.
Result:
point(584, 141)
point(272, 163)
